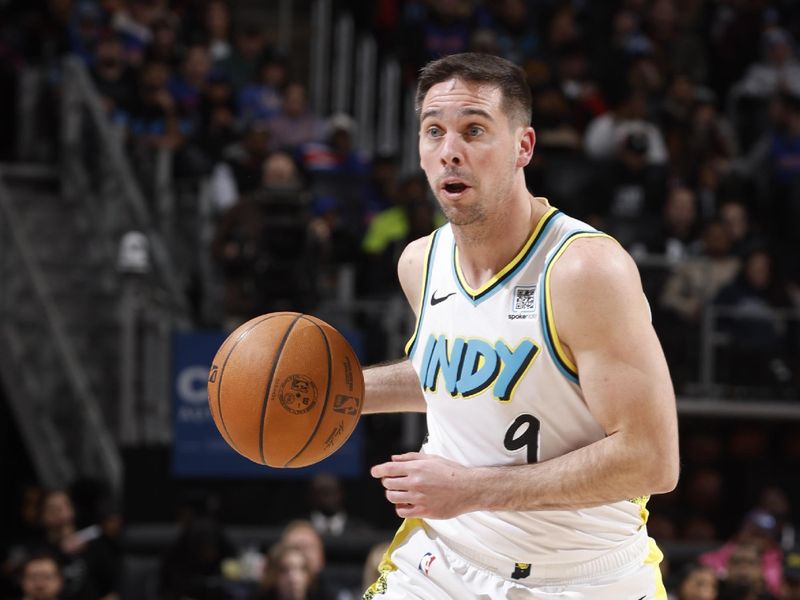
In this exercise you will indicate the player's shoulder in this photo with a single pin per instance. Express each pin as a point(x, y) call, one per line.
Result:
point(594, 259)
point(411, 266)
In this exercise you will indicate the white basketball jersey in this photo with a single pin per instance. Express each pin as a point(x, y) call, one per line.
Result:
point(501, 391)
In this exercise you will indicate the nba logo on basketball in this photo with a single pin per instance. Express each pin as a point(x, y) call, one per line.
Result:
point(347, 405)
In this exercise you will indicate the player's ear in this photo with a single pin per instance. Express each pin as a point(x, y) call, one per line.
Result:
point(525, 147)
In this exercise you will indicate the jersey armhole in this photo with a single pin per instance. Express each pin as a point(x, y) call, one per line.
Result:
point(411, 345)
point(568, 368)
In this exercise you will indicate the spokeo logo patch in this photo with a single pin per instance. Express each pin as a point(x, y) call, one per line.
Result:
point(298, 394)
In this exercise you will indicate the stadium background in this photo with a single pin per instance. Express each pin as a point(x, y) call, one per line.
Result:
point(171, 168)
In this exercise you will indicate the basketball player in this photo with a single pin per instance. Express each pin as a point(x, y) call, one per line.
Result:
point(550, 412)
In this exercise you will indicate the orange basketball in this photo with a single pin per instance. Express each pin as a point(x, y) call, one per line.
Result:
point(285, 390)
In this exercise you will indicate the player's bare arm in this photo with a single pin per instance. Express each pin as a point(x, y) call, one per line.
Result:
point(394, 387)
point(604, 323)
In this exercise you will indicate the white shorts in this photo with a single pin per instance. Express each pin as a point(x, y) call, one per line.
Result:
point(419, 565)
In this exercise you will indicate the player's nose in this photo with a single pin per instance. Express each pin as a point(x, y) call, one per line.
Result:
point(452, 152)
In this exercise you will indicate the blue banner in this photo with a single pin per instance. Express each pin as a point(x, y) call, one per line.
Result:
point(198, 449)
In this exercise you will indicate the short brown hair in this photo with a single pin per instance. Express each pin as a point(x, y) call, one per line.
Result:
point(486, 69)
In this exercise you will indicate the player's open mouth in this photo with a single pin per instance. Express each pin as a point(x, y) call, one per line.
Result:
point(454, 188)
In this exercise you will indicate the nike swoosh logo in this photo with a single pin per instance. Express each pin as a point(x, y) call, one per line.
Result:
point(435, 300)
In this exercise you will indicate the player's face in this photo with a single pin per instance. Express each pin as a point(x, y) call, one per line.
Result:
point(469, 149)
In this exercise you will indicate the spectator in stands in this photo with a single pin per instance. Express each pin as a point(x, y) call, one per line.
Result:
point(164, 45)
point(628, 115)
point(629, 192)
point(775, 501)
point(191, 567)
point(24, 529)
point(412, 217)
point(744, 575)
point(779, 70)
point(676, 45)
point(90, 571)
point(774, 162)
point(687, 290)
point(188, 86)
point(295, 125)
point(267, 247)
point(134, 23)
point(675, 236)
point(242, 163)
point(154, 115)
point(711, 136)
point(696, 281)
point(328, 512)
point(757, 332)
point(41, 577)
point(113, 79)
point(241, 67)
point(697, 583)
point(750, 562)
point(217, 119)
point(261, 99)
point(791, 574)
point(736, 218)
point(218, 30)
point(339, 176)
point(302, 535)
point(514, 30)
point(442, 27)
point(287, 575)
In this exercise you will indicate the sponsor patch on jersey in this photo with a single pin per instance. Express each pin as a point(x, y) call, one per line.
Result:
point(425, 563)
point(523, 302)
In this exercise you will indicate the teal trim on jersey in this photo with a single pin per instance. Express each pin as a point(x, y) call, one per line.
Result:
point(425, 288)
point(522, 261)
point(547, 326)
point(548, 341)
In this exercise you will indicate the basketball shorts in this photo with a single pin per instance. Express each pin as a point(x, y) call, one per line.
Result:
point(420, 565)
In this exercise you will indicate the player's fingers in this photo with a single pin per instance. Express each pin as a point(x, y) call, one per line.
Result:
point(407, 456)
point(396, 484)
point(408, 511)
point(389, 469)
point(397, 497)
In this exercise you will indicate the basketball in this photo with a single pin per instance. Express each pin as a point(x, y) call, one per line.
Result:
point(285, 390)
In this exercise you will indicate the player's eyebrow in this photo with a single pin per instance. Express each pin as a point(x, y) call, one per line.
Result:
point(463, 112)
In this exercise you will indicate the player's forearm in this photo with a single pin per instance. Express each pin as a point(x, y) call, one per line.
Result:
point(613, 469)
point(392, 387)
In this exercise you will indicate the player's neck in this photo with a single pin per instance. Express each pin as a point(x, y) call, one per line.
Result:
point(482, 256)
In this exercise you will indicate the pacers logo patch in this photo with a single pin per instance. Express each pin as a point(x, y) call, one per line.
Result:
point(521, 570)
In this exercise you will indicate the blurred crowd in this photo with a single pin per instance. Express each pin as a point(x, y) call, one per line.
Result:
point(65, 550)
point(674, 125)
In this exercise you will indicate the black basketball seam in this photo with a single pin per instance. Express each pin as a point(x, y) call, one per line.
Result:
point(242, 335)
point(327, 395)
point(269, 386)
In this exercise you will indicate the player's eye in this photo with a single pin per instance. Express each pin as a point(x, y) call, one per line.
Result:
point(474, 131)
point(434, 131)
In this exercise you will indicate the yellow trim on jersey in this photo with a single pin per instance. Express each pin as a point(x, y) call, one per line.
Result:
point(512, 263)
point(549, 303)
point(421, 304)
point(654, 558)
point(643, 512)
point(407, 527)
